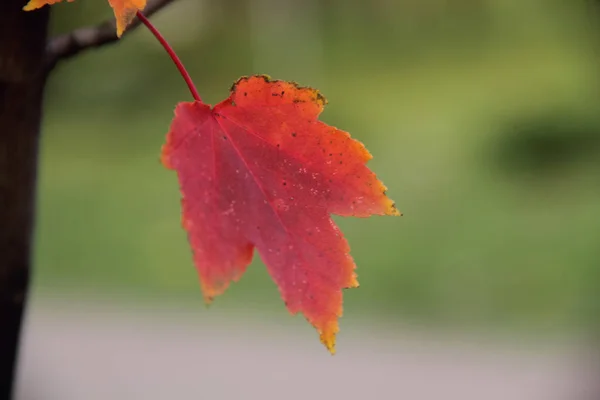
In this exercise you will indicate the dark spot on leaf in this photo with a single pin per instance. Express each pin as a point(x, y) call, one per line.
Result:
point(330, 154)
point(284, 183)
point(245, 94)
point(278, 145)
point(340, 163)
point(282, 92)
point(274, 94)
point(293, 134)
point(224, 137)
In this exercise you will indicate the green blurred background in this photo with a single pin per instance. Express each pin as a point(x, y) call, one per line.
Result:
point(482, 116)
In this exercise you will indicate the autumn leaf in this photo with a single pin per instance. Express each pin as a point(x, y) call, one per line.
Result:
point(124, 10)
point(260, 171)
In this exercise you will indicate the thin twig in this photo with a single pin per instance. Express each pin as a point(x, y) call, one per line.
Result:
point(70, 44)
point(184, 74)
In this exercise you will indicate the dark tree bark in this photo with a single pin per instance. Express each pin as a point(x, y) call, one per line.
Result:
point(26, 59)
point(22, 80)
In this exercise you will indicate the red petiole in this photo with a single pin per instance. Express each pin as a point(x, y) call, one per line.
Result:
point(186, 76)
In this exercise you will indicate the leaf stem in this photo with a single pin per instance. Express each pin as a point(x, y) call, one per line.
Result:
point(186, 76)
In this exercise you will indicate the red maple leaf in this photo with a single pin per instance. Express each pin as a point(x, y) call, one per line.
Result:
point(259, 170)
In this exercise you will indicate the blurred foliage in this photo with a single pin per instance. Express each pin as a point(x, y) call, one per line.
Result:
point(461, 103)
point(547, 144)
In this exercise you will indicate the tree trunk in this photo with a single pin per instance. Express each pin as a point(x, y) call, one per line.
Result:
point(22, 79)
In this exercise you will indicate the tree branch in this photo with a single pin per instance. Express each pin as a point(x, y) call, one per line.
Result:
point(81, 39)
point(23, 36)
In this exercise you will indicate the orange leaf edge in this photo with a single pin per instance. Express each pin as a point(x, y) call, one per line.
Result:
point(319, 97)
point(36, 4)
point(125, 11)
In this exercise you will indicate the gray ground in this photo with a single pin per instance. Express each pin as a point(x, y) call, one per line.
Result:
point(83, 351)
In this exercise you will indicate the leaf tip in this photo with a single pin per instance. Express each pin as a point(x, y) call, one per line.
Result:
point(208, 294)
point(123, 20)
point(33, 5)
point(391, 209)
point(353, 282)
point(328, 339)
point(165, 157)
point(125, 12)
point(36, 4)
point(389, 205)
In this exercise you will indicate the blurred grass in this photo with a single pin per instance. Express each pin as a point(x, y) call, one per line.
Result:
point(430, 102)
